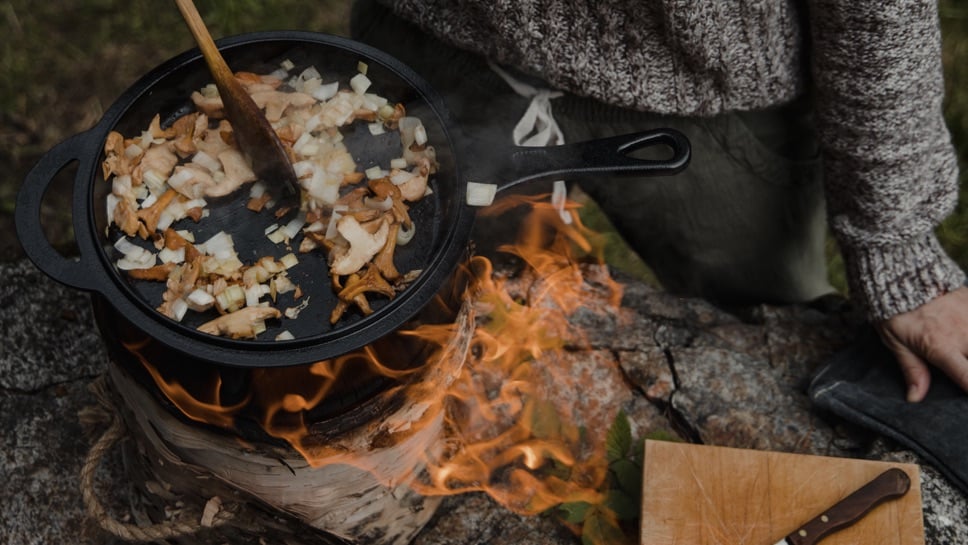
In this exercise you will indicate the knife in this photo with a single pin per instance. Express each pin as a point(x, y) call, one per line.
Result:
point(891, 484)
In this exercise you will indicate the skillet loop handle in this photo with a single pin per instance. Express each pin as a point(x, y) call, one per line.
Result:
point(600, 157)
point(77, 273)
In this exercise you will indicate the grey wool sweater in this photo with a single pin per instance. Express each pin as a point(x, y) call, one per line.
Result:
point(874, 68)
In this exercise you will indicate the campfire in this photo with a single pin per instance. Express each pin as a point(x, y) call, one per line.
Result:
point(364, 446)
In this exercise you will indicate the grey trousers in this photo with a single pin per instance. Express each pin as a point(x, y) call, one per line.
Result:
point(743, 224)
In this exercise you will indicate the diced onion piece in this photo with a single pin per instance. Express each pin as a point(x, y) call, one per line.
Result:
point(376, 101)
point(149, 200)
point(187, 235)
point(254, 293)
point(179, 308)
point(125, 246)
point(559, 197)
point(362, 67)
point(292, 228)
point(153, 179)
point(200, 300)
point(278, 236)
point(398, 163)
point(167, 255)
point(404, 235)
point(479, 194)
point(271, 228)
point(303, 168)
point(376, 129)
point(325, 92)
point(285, 336)
point(420, 135)
point(231, 299)
point(203, 159)
point(293, 312)
point(360, 83)
point(257, 189)
point(287, 65)
point(133, 151)
point(374, 173)
point(289, 260)
point(121, 186)
point(112, 204)
point(220, 246)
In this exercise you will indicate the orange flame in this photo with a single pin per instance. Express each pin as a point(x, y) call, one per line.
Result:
point(509, 427)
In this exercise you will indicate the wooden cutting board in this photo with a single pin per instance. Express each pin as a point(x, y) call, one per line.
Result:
point(702, 495)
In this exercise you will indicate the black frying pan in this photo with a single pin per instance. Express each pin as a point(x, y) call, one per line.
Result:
point(443, 220)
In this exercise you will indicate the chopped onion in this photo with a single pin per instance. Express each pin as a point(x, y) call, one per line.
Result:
point(187, 235)
point(200, 300)
point(179, 308)
point(360, 83)
point(133, 151)
point(292, 228)
point(287, 65)
point(559, 196)
point(374, 173)
point(362, 67)
point(154, 180)
point(289, 260)
point(149, 200)
point(398, 163)
point(420, 135)
point(479, 194)
point(203, 159)
point(404, 235)
point(112, 204)
point(401, 177)
point(277, 237)
point(257, 190)
point(167, 255)
point(285, 336)
point(376, 129)
point(325, 92)
point(271, 228)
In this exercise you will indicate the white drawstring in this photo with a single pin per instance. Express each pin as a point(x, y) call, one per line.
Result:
point(538, 127)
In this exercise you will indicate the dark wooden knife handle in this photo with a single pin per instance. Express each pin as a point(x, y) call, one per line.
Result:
point(891, 484)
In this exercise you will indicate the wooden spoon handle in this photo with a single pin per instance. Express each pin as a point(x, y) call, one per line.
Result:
point(253, 132)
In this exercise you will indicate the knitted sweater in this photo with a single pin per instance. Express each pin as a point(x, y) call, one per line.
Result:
point(874, 66)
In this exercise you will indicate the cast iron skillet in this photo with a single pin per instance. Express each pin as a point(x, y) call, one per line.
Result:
point(443, 220)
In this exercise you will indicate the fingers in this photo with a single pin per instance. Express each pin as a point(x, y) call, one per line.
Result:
point(917, 374)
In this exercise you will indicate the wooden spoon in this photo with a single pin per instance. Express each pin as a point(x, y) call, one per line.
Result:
point(255, 136)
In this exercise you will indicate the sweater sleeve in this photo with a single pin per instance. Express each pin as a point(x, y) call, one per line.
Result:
point(890, 170)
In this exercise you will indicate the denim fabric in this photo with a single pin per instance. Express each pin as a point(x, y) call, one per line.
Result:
point(863, 384)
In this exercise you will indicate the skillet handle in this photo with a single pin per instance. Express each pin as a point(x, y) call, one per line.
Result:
point(598, 157)
point(77, 273)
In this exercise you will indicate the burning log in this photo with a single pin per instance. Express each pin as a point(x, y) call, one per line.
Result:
point(347, 486)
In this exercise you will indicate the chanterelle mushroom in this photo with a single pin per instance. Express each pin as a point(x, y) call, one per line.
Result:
point(244, 323)
point(362, 245)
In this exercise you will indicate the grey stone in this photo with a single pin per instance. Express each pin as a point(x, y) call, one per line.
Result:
point(732, 378)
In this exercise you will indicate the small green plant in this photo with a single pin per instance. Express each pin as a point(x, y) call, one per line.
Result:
point(613, 521)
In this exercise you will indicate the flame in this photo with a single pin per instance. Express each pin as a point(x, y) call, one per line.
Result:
point(509, 427)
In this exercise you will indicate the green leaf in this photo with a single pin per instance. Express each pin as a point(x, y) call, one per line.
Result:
point(601, 529)
point(663, 435)
point(575, 512)
point(627, 475)
point(625, 506)
point(618, 441)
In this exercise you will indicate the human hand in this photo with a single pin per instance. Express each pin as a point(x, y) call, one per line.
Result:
point(935, 333)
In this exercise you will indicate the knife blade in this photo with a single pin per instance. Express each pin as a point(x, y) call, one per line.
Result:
point(889, 485)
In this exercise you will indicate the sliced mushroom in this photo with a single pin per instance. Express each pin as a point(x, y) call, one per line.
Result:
point(149, 216)
point(245, 323)
point(363, 245)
